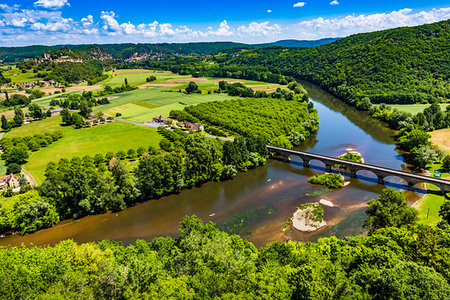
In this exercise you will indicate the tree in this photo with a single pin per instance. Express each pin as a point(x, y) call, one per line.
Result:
point(109, 155)
point(140, 151)
point(364, 104)
point(126, 81)
point(446, 163)
point(131, 153)
point(13, 168)
point(85, 109)
point(166, 145)
point(415, 138)
point(36, 111)
point(99, 159)
point(18, 117)
point(125, 185)
point(121, 154)
point(192, 88)
point(390, 209)
point(296, 138)
point(444, 212)
point(425, 156)
point(5, 124)
point(66, 116)
point(17, 155)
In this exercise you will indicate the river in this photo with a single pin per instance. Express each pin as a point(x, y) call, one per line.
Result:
point(258, 203)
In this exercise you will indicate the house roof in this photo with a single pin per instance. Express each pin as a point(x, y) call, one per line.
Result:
point(7, 178)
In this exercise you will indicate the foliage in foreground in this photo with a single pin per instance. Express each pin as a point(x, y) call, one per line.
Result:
point(204, 263)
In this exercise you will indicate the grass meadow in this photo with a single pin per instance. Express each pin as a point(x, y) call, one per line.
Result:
point(415, 108)
point(112, 137)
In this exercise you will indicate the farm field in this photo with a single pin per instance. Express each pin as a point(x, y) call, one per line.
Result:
point(416, 108)
point(80, 142)
point(9, 114)
point(158, 97)
point(144, 104)
point(441, 138)
point(162, 95)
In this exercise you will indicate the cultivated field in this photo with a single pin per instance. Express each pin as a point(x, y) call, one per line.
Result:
point(441, 138)
point(80, 142)
point(144, 104)
point(162, 95)
point(415, 108)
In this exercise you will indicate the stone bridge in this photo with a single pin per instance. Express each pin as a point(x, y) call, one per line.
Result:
point(354, 167)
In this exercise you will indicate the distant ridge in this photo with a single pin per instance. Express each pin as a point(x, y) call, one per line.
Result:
point(125, 50)
point(298, 43)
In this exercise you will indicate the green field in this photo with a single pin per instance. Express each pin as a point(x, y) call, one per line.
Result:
point(9, 114)
point(429, 206)
point(17, 76)
point(138, 76)
point(80, 142)
point(415, 108)
point(144, 104)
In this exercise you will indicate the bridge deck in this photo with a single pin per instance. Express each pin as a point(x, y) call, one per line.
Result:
point(362, 166)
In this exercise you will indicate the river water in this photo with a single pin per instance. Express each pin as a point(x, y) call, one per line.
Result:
point(258, 203)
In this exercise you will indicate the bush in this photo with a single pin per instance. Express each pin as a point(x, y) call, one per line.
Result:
point(330, 180)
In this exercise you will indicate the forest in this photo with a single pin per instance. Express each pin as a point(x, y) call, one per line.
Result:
point(271, 119)
point(405, 262)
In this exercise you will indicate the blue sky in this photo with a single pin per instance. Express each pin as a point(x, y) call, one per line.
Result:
point(26, 22)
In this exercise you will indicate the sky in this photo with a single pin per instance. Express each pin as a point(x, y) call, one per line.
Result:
point(52, 22)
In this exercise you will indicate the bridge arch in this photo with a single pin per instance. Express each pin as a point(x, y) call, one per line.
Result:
point(399, 180)
point(370, 174)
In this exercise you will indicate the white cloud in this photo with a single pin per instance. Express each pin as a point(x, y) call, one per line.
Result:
point(223, 30)
point(351, 24)
point(110, 24)
point(128, 28)
point(7, 8)
point(299, 4)
point(40, 26)
point(259, 29)
point(334, 2)
point(166, 29)
point(269, 11)
point(52, 4)
point(19, 22)
point(89, 20)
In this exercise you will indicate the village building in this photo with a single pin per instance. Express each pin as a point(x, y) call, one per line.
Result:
point(163, 120)
point(193, 127)
point(9, 181)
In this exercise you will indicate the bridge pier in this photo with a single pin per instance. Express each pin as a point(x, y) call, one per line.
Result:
point(328, 168)
point(380, 179)
point(306, 163)
point(353, 174)
point(411, 186)
point(286, 158)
